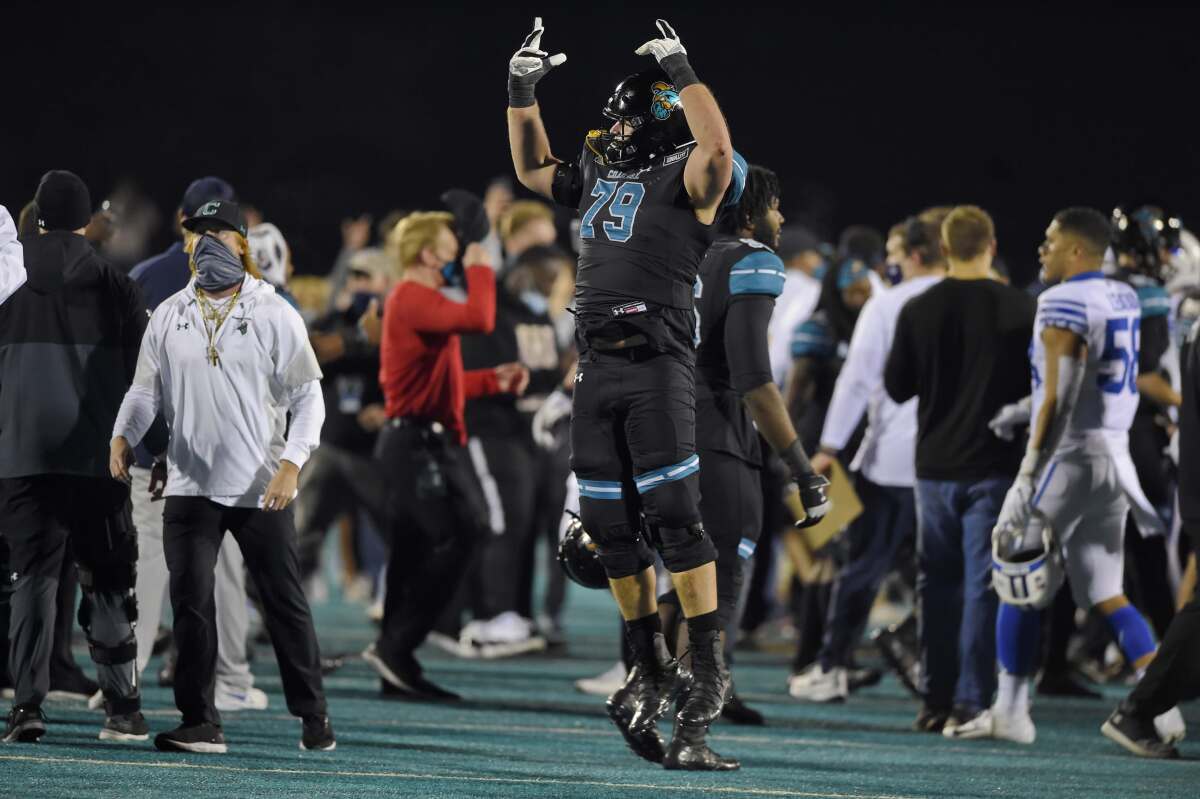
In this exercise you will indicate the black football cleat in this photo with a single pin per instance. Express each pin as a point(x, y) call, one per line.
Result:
point(25, 725)
point(652, 686)
point(814, 499)
point(707, 692)
point(645, 743)
point(690, 752)
point(738, 712)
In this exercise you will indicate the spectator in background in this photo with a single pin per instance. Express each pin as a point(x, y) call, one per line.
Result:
point(27, 224)
point(961, 348)
point(436, 509)
point(497, 197)
point(342, 477)
point(70, 340)
point(801, 254)
point(274, 258)
point(526, 223)
point(356, 235)
point(864, 243)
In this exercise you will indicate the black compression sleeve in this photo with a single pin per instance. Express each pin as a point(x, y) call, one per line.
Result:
point(746, 341)
point(1155, 340)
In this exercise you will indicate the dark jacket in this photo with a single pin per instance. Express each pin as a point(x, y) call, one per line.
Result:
point(1189, 434)
point(69, 343)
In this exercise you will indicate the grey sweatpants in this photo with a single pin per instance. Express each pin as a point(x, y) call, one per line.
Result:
point(233, 670)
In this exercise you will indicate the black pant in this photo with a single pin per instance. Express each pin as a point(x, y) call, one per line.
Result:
point(334, 482)
point(525, 489)
point(436, 517)
point(192, 531)
point(731, 503)
point(63, 666)
point(1174, 674)
point(46, 520)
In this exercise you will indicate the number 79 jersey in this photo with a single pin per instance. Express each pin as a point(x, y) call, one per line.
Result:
point(1107, 315)
point(639, 236)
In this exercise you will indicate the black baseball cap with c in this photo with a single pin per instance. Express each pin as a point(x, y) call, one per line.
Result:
point(217, 215)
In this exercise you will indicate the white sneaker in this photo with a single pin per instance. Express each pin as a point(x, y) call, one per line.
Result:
point(227, 699)
point(451, 646)
point(814, 684)
point(507, 635)
point(991, 723)
point(96, 702)
point(1170, 726)
point(604, 684)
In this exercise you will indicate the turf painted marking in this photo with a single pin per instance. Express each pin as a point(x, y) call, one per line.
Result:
point(454, 777)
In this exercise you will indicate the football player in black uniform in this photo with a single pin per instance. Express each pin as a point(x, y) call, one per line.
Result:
point(739, 279)
point(648, 191)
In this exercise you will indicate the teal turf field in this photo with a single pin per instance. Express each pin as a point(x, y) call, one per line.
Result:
point(524, 731)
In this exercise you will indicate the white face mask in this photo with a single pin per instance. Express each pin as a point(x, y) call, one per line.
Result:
point(217, 267)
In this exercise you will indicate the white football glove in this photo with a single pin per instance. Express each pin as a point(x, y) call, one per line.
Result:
point(1017, 509)
point(556, 407)
point(530, 62)
point(1006, 421)
point(668, 45)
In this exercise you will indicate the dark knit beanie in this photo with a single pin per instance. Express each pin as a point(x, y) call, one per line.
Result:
point(63, 201)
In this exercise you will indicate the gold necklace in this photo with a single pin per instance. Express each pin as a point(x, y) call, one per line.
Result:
point(217, 316)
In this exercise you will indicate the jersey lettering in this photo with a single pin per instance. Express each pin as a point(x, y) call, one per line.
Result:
point(625, 198)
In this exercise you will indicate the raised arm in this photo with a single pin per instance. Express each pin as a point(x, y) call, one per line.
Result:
point(710, 165)
point(532, 159)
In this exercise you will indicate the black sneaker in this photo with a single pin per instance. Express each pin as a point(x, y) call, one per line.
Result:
point(862, 677)
point(206, 739)
point(25, 725)
point(812, 496)
point(129, 727)
point(72, 685)
point(317, 735)
point(1137, 735)
point(403, 680)
point(930, 719)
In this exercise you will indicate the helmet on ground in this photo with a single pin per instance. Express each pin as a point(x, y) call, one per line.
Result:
point(648, 104)
point(1027, 566)
point(579, 558)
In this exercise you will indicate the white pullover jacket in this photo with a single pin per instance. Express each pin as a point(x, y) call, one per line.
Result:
point(227, 421)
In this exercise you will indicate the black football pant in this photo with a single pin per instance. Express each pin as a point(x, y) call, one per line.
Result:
point(48, 519)
point(525, 489)
point(436, 518)
point(192, 531)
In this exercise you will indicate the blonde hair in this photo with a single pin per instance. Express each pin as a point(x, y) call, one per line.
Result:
point(415, 232)
point(520, 214)
point(189, 243)
point(967, 233)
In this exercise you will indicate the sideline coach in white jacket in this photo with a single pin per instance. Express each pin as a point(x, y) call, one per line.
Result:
point(226, 359)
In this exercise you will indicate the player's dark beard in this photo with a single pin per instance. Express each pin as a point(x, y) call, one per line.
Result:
point(764, 233)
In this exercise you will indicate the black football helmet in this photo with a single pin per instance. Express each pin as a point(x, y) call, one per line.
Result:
point(1144, 234)
point(579, 559)
point(648, 103)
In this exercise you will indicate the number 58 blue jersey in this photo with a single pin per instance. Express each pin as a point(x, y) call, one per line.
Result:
point(1107, 315)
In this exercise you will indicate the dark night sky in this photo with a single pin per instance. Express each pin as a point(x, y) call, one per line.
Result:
point(319, 110)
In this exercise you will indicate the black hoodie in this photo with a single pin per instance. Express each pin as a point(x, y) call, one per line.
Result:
point(69, 342)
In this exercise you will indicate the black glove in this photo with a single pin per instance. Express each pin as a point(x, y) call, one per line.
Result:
point(528, 65)
point(470, 219)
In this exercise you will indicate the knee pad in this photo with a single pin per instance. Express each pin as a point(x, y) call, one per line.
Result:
point(685, 548)
point(103, 653)
point(673, 504)
point(623, 551)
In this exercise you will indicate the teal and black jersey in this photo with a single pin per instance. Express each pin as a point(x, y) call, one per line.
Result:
point(1154, 333)
point(735, 292)
point(640, 241)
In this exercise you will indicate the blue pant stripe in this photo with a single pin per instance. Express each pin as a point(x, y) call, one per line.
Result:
point(746, 548)
point(599, 489)
point(667, 474)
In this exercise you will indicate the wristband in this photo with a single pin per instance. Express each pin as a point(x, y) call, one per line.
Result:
point(520, 93)
point(796, 460)
point(679, 71)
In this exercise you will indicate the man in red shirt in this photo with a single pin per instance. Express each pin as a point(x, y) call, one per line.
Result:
point(436, 509)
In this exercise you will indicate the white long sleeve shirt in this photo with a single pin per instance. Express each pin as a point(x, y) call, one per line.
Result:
point(227, 421)
point(797, 302)
point(12, 257)
point(888, 450)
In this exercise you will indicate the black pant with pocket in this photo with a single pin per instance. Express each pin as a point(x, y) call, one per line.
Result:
point(192, 531)
point(436, 518)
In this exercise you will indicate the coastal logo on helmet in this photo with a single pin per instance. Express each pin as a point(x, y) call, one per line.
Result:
point(209, 209)
point(665, 99)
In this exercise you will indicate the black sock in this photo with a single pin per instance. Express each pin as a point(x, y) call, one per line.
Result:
point(704, 623)
point(641, 634)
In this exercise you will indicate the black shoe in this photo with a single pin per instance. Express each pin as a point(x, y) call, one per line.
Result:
point(930, 719)
point(1137, 735)
point(318, 735)
point(201, 738)
point(958, 716)
point(646, 743)
point(706, 695)
point(129, 727)
point(72, 685)
point(689, 751)
point(862, 677)
point(331, 664)
point(900, 648)
point(813, 497)
point(1059, 684)
point(403, 680)
point(651, 687)
point(25, 725)
point(738, 712)
point(166, 674)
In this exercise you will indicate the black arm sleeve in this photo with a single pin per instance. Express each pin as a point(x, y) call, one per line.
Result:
point(567, 187)
point(746, 341)
point(1155, 340)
